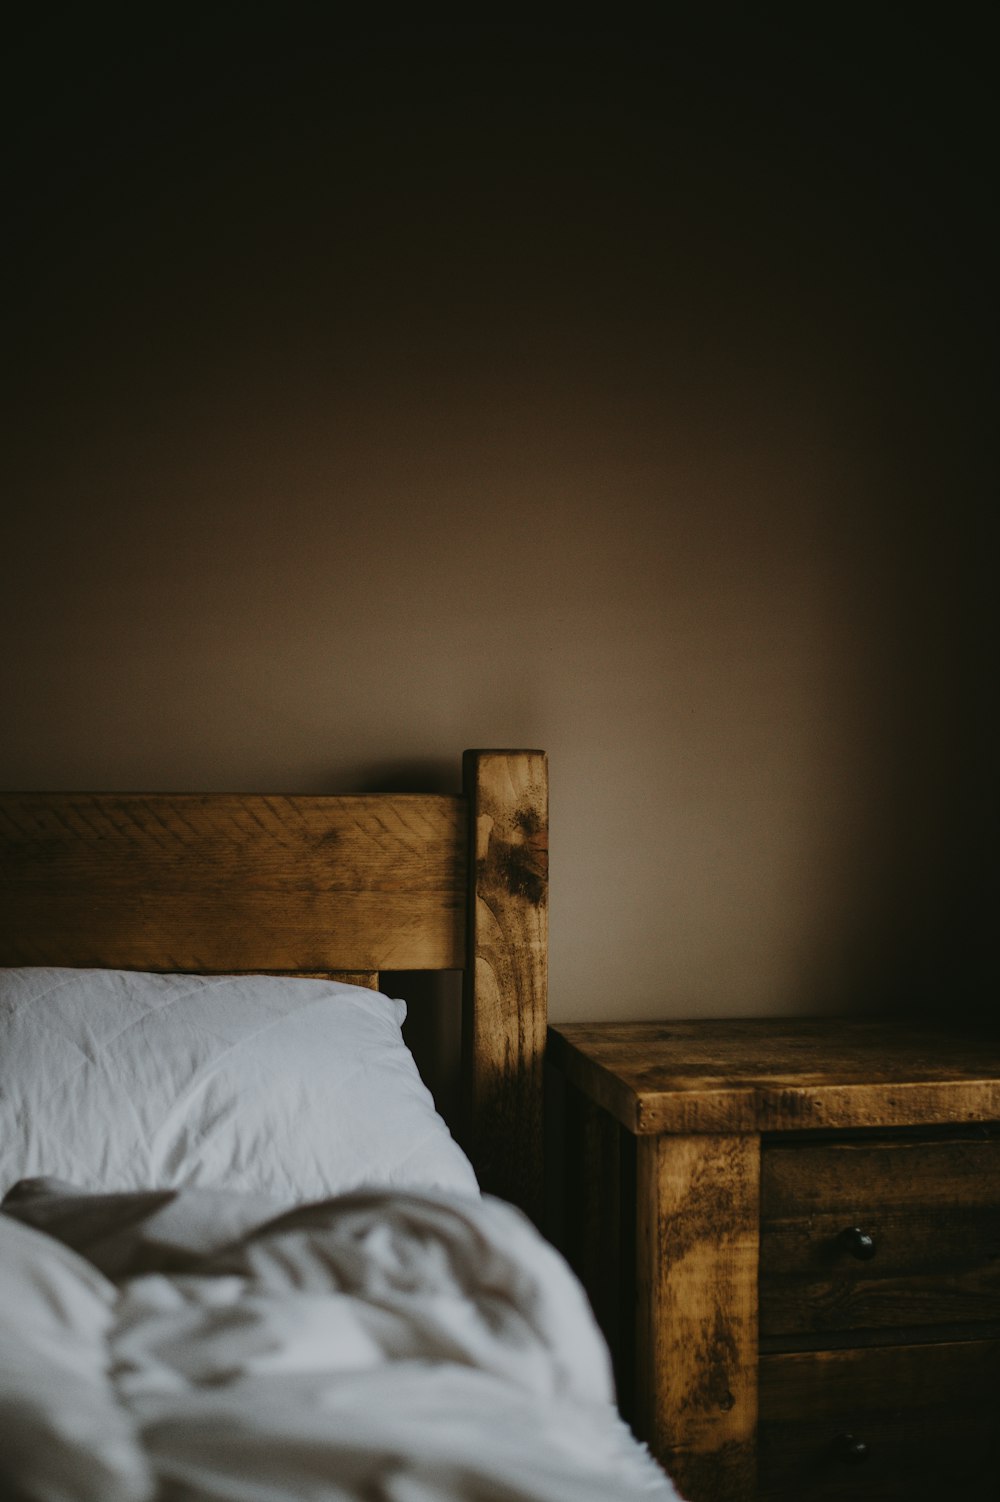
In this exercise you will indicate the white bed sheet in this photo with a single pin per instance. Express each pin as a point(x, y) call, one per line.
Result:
point(377, 1346)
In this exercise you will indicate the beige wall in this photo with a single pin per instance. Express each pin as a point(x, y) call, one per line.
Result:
point(328, 460)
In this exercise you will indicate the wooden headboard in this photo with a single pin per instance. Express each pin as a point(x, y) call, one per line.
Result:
point(222, 883)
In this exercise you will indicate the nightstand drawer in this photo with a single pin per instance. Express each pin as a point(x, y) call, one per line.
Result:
point(876, 1233)
point(915, 1422)
point(711, 1169)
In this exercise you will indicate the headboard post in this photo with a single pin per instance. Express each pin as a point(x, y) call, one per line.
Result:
point(506, 971)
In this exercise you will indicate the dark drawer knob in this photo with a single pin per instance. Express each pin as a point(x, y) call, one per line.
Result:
point(850, 1449)
point(858, 1243)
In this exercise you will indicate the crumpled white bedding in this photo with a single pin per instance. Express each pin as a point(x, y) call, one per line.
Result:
point(378, 1347)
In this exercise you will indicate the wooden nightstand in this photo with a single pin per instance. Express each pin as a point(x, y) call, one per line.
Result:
point(790, 1232)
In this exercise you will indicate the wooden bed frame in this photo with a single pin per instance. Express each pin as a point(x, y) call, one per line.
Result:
point(346, 887)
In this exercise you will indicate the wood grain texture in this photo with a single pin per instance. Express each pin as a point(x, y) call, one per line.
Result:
point(214, 882)
point(367, 979)
point(780, 1074)
point(696, 1311)
point(927, 1415)
point(505, 998)
point(931, 1207)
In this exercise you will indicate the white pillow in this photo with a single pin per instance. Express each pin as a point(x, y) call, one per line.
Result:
point(120, 1080)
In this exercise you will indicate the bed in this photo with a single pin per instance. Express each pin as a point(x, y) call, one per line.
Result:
point(241, 1256)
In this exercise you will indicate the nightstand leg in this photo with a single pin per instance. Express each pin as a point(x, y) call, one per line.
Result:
point(697, 1201)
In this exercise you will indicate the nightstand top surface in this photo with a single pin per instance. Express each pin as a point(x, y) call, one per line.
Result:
point(781, 1074)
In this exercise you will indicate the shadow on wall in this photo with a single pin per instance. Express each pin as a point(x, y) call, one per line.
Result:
point(433, 1027)
point(427, 775)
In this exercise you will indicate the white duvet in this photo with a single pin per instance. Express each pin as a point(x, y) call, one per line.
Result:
point(378, 1347)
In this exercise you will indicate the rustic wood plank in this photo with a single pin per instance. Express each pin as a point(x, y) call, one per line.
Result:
point(504, 1015)
point(931, 1207)
point(216, 882)
point(696, 1311)
point(368, 979)
point(926, 1414)
point(781, 1074)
